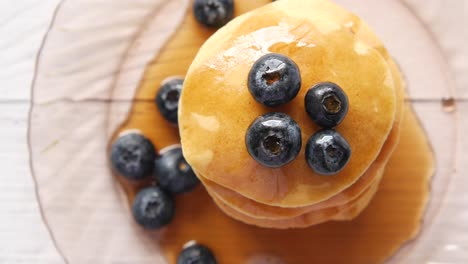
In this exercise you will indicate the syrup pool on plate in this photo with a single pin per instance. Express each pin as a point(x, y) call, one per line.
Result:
point(81, 94)
point(392, 218)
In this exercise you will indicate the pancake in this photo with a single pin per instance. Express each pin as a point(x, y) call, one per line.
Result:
point(348, 211)
point(263, 211)
point(256, 210)
point(216, 107)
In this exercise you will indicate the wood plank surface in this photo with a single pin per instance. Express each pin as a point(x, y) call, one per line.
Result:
point(23, 235)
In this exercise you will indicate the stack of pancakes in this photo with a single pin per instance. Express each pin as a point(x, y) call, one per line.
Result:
point(328, 44)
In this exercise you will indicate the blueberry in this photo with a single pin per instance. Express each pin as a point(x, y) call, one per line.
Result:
point(327, 152)
point(274, 80)
point(173, 173)
point(153, 208)
point(327, 104)
point(196, 254)
point(167, 99)
point(213, 13)
point(132, 156)
point(273, 139)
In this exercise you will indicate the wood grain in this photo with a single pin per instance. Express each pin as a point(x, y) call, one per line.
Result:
point(23, 235)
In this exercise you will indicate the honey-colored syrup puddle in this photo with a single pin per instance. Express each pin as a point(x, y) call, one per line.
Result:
point(392, 218)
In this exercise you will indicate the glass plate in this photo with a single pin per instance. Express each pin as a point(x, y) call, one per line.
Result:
point(92, 61)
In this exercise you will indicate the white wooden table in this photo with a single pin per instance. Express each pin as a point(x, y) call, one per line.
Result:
point(23, 236)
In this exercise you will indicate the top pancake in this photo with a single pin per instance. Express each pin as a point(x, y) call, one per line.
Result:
point(263, 211)
point(216, 107)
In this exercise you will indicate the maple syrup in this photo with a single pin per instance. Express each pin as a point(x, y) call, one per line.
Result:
point(392, 218)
